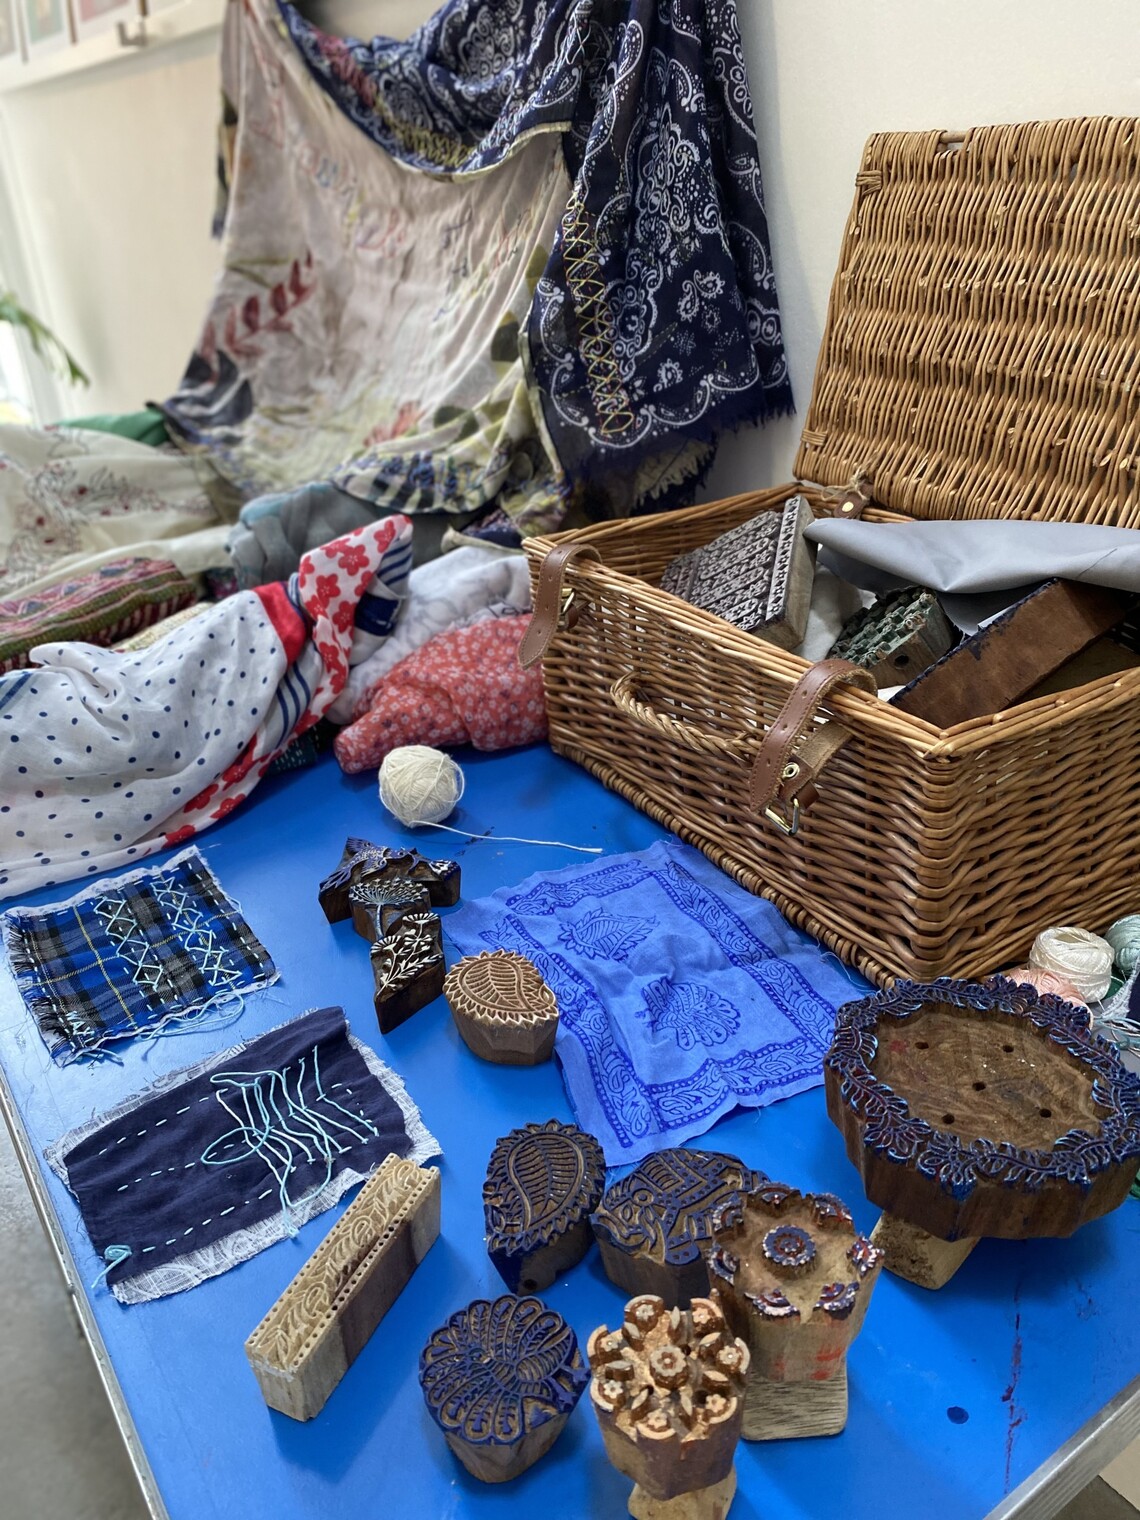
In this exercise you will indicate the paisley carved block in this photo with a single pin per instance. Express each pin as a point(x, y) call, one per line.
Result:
point(795, 1280)
point(407, 969)
point(668, 1391)
point(500, 1379)
point(502, 1008)
point(653, 1226)
point(322, 1321)
point(360, 858)
point(542, 1183)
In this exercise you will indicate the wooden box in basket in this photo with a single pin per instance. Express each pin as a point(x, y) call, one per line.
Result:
point(981, 359)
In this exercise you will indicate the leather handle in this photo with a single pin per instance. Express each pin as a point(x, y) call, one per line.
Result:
point(794, 744)
point(548, 618)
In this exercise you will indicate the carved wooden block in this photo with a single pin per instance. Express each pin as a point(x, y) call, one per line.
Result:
point(1002, 662)
point(377, 902)
point(980, 1109)
point(321, 1323)
point(757, 576)
point(407, 969)
point(897, 637)
point(542, 1183)
point(795, 1280)
point(668, 1390)
point(360, 859)
point(501, 1379)
point(503, 1009)
point(652, 1226)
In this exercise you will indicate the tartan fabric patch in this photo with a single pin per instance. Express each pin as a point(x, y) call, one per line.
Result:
point(132, 954)
point(99, 607)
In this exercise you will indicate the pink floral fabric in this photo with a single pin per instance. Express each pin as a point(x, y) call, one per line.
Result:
point(462, 687)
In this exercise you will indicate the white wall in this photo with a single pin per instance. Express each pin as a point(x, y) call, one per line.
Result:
point(114, 168)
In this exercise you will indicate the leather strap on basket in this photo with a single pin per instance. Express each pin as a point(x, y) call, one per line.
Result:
point(551, 611)
point(795, 750)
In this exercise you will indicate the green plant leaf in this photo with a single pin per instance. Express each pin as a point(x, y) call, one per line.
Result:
point(44, 342)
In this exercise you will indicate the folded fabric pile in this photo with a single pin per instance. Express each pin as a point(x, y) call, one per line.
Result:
point(101, 607)
point(680, 995)
point(463, 687)
point(523, 262)
point(106, 757)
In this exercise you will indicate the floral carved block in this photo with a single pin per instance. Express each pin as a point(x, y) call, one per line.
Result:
point(500, 1379)
point(407, 969)
point(362, 860)
point(542, 1183)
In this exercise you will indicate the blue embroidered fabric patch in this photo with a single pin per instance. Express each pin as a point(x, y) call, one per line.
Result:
point(681, 995)
point(130, 954)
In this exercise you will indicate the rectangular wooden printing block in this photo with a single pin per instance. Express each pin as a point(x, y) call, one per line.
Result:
point(323, 1320)
point(1002, 662)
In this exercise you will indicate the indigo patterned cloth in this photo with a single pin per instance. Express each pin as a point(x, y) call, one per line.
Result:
point(680, 995)
point(524, 264)
point(212, 1164)
point(133, 954)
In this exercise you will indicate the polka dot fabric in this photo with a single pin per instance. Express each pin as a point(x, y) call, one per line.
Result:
point(462, 687)
point(106, 757)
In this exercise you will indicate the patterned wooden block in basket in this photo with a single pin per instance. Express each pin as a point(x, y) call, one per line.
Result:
point(965, 372)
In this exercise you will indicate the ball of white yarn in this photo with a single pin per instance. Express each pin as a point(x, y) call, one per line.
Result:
point(419, 784)
point(1084, 959)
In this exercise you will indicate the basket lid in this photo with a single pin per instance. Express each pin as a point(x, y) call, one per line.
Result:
point(981, 356)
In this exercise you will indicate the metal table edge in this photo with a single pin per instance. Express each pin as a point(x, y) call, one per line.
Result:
point(87, 1324)
point(1075, 1464)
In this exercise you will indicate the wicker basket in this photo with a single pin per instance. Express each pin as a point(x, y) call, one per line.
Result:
point(980, 359)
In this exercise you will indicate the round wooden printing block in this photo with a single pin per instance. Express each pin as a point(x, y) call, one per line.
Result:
point(653, 1225)
point(668, 1391)
point(502, 1008)
point(501, 1379)
point(542, 1182)
point(975, 1110)
point(795, 1280)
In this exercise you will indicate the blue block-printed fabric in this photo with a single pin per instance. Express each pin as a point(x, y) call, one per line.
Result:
point(681, 996)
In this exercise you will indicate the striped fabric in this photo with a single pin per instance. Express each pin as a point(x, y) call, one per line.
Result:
point(99, 607)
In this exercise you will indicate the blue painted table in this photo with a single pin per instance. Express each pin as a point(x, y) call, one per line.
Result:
point(1016, 1376)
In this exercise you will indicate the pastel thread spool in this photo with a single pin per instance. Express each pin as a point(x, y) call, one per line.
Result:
point(1124, 937)
point(1083, 959)
point(419, 784)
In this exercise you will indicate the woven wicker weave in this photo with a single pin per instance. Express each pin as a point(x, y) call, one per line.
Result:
point(980, 359)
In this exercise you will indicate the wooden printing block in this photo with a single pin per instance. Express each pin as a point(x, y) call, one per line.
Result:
point(653, 1225)
point(502, 1008)
point(977, 1109)
point(757, 576)
point(407, 968)
point(360, 858)
point(376, 903)
point(795, 1280)
point(321, 1323)
point(668, 1390)
point(902, 634)
point(1002, 662)
point(542, 1182)
point(500, 1379)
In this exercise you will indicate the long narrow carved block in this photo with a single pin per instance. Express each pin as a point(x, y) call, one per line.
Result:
point(795, 1280)
point(360, 859)
point(654, 1225)
point(542, 1182)
point(407, 969)
point(501, 1379)
point(502, 1008)
point(668, 1390)
point(321, 1323)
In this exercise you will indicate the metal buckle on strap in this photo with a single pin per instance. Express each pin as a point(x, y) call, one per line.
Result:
point(564, 620)
point(786, 825)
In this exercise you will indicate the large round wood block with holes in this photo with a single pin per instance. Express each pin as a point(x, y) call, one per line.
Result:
point(976, 1109)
